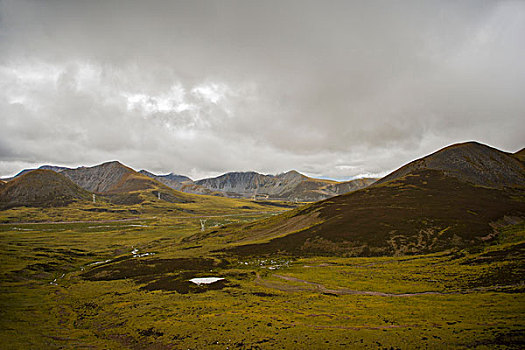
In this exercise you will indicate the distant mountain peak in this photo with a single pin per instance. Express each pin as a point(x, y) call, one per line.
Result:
point(103, 177)
point(290, 185)
point(167, 179)
point(114, 163)
point(53, 167)
point(147, 173)
point(248, 172)
point(291, 173)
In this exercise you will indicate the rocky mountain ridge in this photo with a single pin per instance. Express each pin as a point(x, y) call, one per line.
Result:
point(290, 185)
point(114, 177)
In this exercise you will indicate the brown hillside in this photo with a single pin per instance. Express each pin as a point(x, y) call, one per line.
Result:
point(520, 155)
point(108, 177)
point(425, 211)
point(471, 162)
point(123, 185)
point(40, 188)
point(419, 210)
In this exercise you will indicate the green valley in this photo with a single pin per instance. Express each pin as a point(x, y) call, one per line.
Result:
point(423, 260)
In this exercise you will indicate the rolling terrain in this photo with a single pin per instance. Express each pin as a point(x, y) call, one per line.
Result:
point(120, 193)
point(122, 285)
point(425, 260)
point(43, 167)
point(415, 210)
point(520, 155)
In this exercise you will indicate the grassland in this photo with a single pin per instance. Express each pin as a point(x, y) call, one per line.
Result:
point(88, 285)
point(148, 206)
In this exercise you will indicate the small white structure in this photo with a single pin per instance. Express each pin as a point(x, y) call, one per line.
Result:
point(94, 199)
point(203, 226)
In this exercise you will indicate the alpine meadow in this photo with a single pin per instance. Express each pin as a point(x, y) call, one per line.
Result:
point(262, 174)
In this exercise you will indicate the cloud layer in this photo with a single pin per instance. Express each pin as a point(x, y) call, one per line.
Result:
point(334, 89)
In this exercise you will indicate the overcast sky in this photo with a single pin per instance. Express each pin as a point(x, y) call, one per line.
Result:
point(336, 89)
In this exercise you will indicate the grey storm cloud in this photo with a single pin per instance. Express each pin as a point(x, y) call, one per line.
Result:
point(330, 88)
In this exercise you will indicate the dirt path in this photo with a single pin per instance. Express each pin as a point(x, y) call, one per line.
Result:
point(312, 286)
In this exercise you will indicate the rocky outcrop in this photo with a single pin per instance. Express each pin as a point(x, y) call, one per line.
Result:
point(103, 178)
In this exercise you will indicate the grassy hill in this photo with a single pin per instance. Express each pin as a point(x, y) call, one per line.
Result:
point(470, 162)
point(412, 211)
point(42, 188)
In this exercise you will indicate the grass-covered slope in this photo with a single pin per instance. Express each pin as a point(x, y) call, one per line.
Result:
point(520, 155)
point(425, 211)
point(40, 188)
point(442, 201)
point(471, 162)
point(126, 285)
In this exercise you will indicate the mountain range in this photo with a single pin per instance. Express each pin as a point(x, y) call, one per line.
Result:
point(113, 178)
point(286, 186)
point(456, 197)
